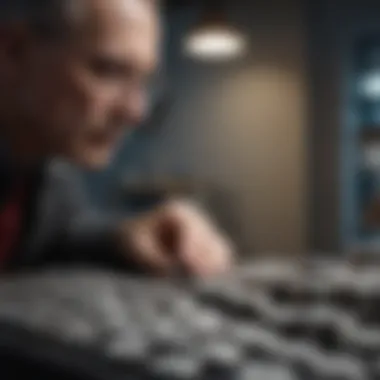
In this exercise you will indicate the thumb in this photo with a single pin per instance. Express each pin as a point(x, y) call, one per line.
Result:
point(150, 252)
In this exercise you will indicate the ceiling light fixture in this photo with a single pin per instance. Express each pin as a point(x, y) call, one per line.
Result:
point(214, 38)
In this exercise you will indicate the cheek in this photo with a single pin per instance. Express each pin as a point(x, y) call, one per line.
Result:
point(76, 104)
point(90, 102)
point(138, 107)
point(98, 104)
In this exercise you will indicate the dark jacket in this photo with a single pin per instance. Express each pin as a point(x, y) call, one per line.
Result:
point(59, 227)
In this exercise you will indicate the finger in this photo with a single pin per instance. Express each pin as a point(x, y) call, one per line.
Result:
point(207, 254)
point(201, 249)
point(212, 262)
point(190, 252)
point(150, 254)
point(225, 253)
point(219, 262)
point(199, 253)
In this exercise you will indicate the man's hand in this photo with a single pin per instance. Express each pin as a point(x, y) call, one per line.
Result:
point(176, 238)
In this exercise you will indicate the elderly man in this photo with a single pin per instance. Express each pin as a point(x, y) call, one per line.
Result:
point(73, 76)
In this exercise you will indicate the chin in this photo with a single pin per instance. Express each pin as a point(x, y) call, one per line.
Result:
point(93, 159)
point(95, 165)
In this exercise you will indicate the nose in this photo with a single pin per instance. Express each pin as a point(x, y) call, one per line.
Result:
point(132, 108)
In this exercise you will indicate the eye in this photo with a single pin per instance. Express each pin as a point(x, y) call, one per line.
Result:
point(108, 68)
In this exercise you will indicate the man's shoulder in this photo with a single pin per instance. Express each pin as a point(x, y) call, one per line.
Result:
point(62, 184)
point(63, 177)
point(61, 170)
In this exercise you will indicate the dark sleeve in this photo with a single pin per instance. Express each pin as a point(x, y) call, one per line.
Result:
point(86, 236)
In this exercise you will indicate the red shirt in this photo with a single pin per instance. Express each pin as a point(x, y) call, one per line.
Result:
point(11, 218)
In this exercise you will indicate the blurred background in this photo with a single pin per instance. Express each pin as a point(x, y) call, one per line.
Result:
point(268, 113)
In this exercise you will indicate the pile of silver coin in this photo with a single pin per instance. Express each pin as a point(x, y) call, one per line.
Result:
point(277, 321)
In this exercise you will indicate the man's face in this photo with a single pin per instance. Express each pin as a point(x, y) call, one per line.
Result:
point(76, 97)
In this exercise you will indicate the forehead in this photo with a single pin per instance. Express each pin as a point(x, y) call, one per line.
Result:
point(123, 28)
